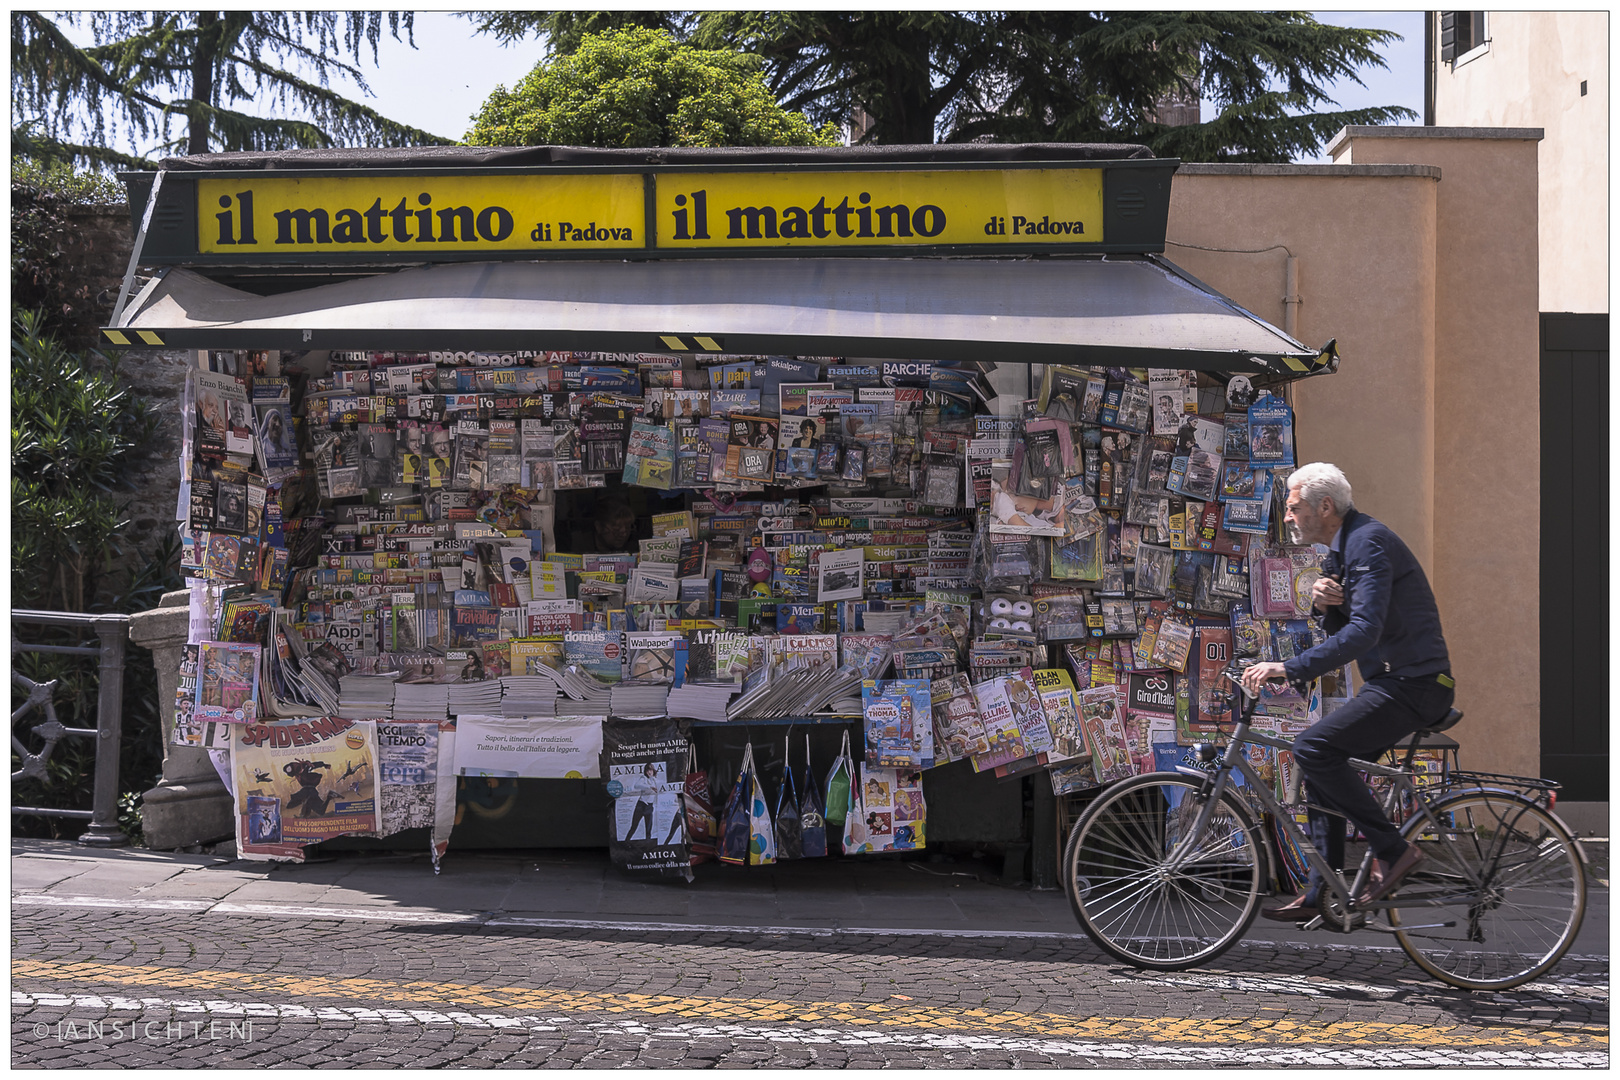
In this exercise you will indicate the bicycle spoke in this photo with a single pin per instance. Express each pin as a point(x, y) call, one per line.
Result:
point(1118, 871)
point(1507, 885)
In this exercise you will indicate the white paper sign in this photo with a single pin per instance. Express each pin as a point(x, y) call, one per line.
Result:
point(528, 747)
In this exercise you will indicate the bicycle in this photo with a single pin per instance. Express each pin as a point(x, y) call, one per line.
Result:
point(1167, 870)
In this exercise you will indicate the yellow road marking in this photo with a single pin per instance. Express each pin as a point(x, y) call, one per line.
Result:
point(859, 1013)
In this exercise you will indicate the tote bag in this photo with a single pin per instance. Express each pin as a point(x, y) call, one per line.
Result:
point(789, 833)
point(701, 825)
point(734, 827)
point(839, 782)
point(812, 814)
point(761, 833)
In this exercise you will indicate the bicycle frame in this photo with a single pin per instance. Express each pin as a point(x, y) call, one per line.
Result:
point(1234, 758)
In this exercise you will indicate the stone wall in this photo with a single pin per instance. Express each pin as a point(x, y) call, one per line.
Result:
point(100, 254)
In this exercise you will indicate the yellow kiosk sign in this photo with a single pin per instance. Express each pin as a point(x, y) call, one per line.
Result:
point(420, 214)
point(880, 209)
point(465, 215)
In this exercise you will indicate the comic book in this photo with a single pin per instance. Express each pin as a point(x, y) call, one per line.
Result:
point(898, 716)
point(1001, 728)
point(956, 717)
point(1103, 724)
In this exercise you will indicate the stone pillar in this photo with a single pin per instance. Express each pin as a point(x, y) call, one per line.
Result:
point(190, 805)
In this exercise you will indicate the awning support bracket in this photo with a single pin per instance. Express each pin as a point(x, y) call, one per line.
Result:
point(135, 253)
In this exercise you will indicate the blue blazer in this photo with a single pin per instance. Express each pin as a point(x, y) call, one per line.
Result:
point(1388, 622)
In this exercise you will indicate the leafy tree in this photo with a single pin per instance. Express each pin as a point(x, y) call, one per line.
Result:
point(636, 86)
point(148, 69)
point(1034, 76)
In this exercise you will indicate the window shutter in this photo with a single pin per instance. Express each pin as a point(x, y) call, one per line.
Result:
point(1448, 36)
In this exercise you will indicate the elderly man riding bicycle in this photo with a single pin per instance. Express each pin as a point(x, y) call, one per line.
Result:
point(1377, 608)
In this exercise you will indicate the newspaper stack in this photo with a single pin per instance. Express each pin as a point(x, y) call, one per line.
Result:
point(700, 701)
point(528, 695)
point(584, 696)
point(632, 701)
point(797, 688)
point(883, 622)
point(482, 697)
point(361, 697)
point(421, 701)
point(297, 684)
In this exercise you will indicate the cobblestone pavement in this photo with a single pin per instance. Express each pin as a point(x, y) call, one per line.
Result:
point(104, 987)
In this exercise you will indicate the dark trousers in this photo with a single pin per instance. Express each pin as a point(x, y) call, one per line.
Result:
point(1383, 712)
point(643, 812)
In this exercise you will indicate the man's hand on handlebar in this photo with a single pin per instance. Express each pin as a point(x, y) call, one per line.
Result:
point(1256, 675)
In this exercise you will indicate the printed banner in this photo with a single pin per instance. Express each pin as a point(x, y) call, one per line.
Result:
point(298, 782)
point(644, 762)
point(526, 747)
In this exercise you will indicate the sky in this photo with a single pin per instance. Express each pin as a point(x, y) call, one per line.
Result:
point(440, 84)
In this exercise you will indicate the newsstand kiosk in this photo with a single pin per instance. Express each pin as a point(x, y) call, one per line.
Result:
point(923, 449)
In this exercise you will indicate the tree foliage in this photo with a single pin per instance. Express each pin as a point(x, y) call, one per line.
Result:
point(634, 85)
point(1036, 76)
point(175, 76)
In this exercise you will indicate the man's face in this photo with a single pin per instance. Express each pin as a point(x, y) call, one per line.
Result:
point(615, 531)
point(1307, 524)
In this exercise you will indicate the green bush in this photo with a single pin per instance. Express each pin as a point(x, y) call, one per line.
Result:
point(43, 275)
point(77, 434)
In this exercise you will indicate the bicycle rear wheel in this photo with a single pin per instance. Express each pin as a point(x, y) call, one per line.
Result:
point(1117, 873)
point(1497, 900)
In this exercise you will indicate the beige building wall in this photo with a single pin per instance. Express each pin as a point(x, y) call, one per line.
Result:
point(1364, 242)
point(1529, 75)
point(1419, 256)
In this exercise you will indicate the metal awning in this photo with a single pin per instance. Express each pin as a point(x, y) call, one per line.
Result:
point(1131, 311)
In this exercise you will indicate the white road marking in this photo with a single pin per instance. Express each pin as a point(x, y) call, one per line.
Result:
point(1572, 991)
point(501, 919)
point(1272, 1056)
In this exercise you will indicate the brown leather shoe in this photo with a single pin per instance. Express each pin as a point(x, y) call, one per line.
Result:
point(1384, 879)
point(1295, 910)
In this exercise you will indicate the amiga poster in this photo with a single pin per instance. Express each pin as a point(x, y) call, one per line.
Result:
point(302, 781)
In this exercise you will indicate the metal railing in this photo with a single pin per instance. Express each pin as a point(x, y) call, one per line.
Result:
point(113, 632)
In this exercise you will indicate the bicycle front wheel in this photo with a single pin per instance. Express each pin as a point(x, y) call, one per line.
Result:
point(1149, 892)
point(1497, 899)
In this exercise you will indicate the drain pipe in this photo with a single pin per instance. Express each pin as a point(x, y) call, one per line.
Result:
point(1291, 299)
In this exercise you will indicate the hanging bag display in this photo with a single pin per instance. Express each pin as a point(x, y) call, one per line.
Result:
point(839, 781)
point(761, 833)
point(701, 826)
point(812, 814)
point(734, 822)
point(853, 839)
point(789, 832)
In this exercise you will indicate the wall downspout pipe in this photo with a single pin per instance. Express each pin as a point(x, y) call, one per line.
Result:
point(1291, 299)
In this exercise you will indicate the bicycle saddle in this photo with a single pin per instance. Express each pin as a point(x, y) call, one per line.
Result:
point(1444, 723)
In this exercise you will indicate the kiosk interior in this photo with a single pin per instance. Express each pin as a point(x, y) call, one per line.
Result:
point(709, 504)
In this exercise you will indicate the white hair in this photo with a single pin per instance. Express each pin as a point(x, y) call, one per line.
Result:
point(1318, 481)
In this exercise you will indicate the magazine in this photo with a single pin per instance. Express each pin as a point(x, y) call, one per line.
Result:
point(898, 722)
point(227, 682)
